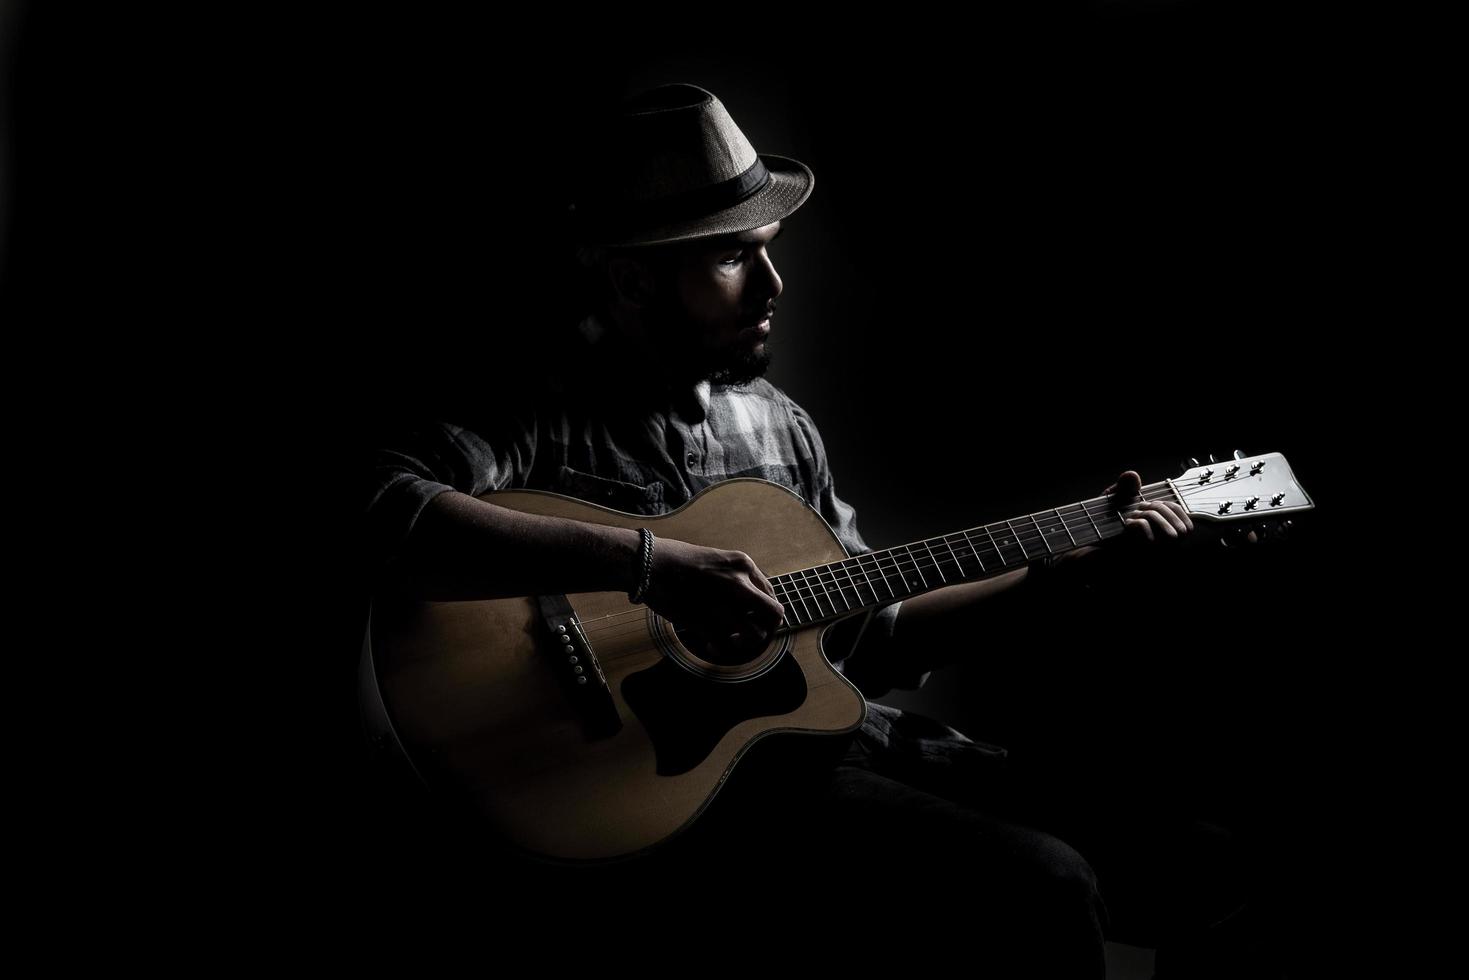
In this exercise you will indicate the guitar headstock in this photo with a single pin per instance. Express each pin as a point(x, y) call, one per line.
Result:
point(1259, 488)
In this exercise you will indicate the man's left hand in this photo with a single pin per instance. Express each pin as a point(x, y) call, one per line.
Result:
point(1145, 521)
point(1155, 519)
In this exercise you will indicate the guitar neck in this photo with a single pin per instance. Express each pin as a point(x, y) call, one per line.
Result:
point(879, 578)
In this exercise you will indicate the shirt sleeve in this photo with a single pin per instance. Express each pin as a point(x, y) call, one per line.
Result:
point(876, 666)
point(411, 465)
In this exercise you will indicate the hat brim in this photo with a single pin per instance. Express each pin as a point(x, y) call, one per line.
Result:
point(791, 182)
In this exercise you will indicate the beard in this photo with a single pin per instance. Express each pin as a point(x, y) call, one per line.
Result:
point(739, 366)
point(689, 361)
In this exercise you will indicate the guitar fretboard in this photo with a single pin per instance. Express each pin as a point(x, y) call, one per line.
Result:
point(878, 578)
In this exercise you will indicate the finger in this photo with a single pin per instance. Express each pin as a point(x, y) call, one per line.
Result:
point(740, 645)
point(758, 577)
point(768, 609)
point(1157, 520)
point(1169, 514)
point(1182, 511)
point(757, 624)
point(1141, 525)
point(763, 584)
point(1128, 485)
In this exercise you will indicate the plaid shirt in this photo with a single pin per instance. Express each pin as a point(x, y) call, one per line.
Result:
point(650, 459)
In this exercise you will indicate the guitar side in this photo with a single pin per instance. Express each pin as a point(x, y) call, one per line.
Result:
point(472, 694)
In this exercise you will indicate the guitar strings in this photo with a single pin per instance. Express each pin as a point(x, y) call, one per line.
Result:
point(788, 628)
point(868, 562)
point(793, 590)
point(947, 556)
point(799, 590)
point(915, 562)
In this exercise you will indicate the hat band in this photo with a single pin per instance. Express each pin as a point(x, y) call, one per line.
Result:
point(697, 203)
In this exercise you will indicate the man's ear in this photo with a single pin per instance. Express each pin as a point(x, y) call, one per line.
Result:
point(632, 280)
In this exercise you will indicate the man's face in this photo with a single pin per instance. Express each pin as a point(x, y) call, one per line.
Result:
point(714, 320)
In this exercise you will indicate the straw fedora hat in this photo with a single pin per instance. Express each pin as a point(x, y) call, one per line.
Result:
point(671, 165)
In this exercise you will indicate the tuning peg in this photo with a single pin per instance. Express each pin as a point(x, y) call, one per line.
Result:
point(1244, 534)
point(1212, 459)
point(1239, 454)
point(1187, 464)
point(1233, 537)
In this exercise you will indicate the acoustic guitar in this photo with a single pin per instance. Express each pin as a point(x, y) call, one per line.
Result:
point(586, 729)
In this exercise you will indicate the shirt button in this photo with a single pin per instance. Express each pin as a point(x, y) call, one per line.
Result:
point(691, 459)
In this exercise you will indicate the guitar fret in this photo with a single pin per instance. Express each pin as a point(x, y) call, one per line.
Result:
point(1037, 524)
point(1066, 528)
point(835, 589)
point(846, 568)
point(788, 610)
point(1016, 538)
point(883, 572)
point(821, 584)
point(856, 588)
point(914, 561)
point(802, 600)
point(1087, 511)
point(803, 613)
point(942, 580)
point(1116, 514)
point(975, 549)
point(996, 545)
point(817, 591)
point(953, 554)
point(832, 575)
point(815, 596)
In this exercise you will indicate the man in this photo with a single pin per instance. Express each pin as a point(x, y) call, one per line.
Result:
point(660, 396)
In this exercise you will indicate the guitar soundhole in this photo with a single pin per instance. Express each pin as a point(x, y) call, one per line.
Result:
point(724, 653)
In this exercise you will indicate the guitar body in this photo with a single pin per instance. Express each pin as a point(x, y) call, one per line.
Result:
point(483, 701)
point(584, 728)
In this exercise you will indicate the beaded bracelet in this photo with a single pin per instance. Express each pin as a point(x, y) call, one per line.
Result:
point(647, 560)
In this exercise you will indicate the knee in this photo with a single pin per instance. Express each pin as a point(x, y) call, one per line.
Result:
point(1049, 920)
point(1062, 876)
point(1037, 876)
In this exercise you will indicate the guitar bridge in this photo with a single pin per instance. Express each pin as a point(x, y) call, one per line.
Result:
point(575, 666)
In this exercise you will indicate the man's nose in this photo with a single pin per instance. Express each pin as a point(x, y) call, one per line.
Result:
point(774, 286)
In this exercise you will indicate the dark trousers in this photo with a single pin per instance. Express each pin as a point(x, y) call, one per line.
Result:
point(871, 863)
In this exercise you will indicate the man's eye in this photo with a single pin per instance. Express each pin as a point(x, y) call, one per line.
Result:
point(733, 259)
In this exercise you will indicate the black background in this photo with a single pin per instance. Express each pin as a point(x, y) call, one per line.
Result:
point(1042, 248)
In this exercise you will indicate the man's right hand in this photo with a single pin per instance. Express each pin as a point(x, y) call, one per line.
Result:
point(720, 595)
